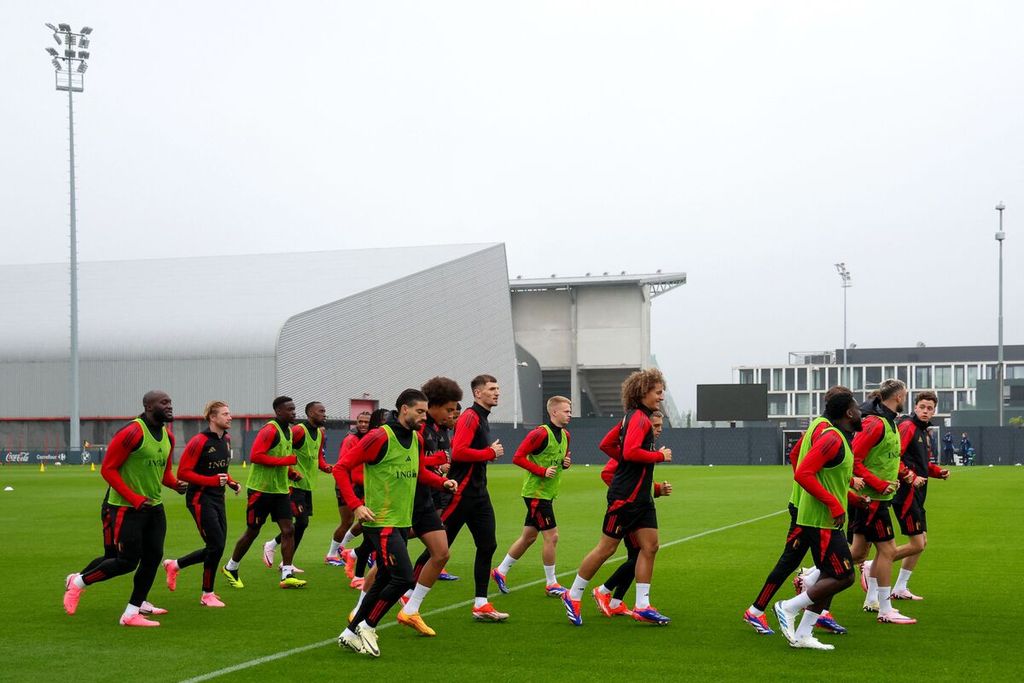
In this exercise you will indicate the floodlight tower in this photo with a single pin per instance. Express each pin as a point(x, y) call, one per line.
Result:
point(844, 275)
point(1000, 366)
point(69, 75)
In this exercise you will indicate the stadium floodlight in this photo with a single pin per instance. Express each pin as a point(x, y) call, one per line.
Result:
point(72, 82)
point(86, 30)
point(844, 275)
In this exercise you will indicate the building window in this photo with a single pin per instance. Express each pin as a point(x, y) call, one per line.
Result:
point(833, 377)
point(972, 376)
point(943, 377)
point(889, 371)
point(858, 378)
point(962, 400)
point(901, 374)
point(747, 376)
point(790, 380)
point(803, 404)
point(777, 380)
point(923, 377)
point(801, 379)
point(776, 404)
point(1015, 372)
point(945, 402)
point(873, 375)
point(958, 376)
point(819, 378)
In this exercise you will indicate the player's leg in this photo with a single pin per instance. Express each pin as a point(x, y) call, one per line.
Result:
point(515, 551)
point(789, 561)
point(610, 537)
point(482, 525)
point(831, 555)
point(612, 592)
point(127, 536)
point(881, 533)
point(341, 536)
point(109, 547)
point(197, 507)
point(643, 610)
point(436, 542)
point(913, 524)
point(152, 551)
point(258, 507)
point(215, 529)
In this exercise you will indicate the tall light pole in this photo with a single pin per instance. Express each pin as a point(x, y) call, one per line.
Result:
point(1000, 236)
point(69, 75)
point(844, 275)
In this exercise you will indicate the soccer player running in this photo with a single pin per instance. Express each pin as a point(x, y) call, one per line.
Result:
point(308, 446)
point(392, 466)
point(609, 596)
point(137, 463)
point(472, 449)
point(337, 554)
point(876, 452)
point(796, 541)
point(824, 475)
point(630, 500)
point(271, 456)
point(544, 453)
point(916, 467)
point(442, 395)
point(204, 465)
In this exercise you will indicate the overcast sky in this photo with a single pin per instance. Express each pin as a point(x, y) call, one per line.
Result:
point(749, 144)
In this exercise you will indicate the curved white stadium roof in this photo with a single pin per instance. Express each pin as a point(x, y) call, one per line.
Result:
point(190, 307)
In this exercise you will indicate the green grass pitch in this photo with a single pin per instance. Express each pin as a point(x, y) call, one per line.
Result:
point(707, 572)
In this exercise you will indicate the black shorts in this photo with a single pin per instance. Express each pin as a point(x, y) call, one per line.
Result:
point(261, 505)
point(620, 519)
point(302, 502)
point(425, 519)
point(873, 522)
point(358, 488)
point(911, 516)
point(830, 551)
point(540, 514)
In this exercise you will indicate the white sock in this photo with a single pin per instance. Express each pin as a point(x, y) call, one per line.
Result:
point(416, 599)
point(615, 602)
point(756, 612)
point(811, 577)
point(347, 633)
point(205, 593)
point(795, 604)
point(231, 566)
point(130, 610)
point(286, 570)
point(348, 539)
point(603, 591)
point(359, 602)
point(364, 625)
point(902, 580)
point(884, 603)
point(806, 626)
point(872, 589)
point(335, 546)
point(579, 584)
point(643, 595)
point(479, 602)
point(549, 572)
point(78, 581)
point(506, 564)
point(273, 543)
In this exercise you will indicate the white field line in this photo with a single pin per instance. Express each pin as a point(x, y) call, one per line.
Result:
point(465, 603)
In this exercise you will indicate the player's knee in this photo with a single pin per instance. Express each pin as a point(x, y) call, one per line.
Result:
point(551, 538)
point(442, 556)
point(845, 581)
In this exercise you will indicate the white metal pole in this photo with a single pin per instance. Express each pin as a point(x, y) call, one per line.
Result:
point(75, 437)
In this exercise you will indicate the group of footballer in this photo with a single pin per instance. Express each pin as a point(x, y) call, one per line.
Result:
point(419, 471)
point(855, 467)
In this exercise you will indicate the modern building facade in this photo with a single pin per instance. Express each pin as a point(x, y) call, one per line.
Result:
point(957, 374)
point(587, 334)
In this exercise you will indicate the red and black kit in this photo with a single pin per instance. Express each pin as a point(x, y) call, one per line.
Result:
point(630, 501)
point(206, 456)
point(259, 504)
point(917, 457)
point(873, 521)
point(436, 452)
point(540, 512)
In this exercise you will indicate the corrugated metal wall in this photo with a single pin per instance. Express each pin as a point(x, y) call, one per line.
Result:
point(115, 387)
point(454, 320)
